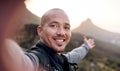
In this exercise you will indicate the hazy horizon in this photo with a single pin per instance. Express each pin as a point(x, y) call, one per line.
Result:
point(103, 13)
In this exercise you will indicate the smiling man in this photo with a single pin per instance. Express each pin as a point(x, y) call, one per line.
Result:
point(54, 32)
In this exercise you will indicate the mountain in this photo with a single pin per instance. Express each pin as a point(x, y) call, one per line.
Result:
point(28, 17)
point(25, 17)
point(89, 29)
point(27, 22)
point(106, 41)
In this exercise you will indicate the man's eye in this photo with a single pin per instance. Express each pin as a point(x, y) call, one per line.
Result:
point(67, 28)
point(54, 26)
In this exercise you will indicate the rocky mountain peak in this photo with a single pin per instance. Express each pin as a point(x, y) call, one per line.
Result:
point(89, 29)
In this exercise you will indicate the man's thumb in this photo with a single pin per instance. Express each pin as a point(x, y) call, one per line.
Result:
point(84, 38)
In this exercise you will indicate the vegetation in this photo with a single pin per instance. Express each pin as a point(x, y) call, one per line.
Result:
point(28, 36)
point(97, 59)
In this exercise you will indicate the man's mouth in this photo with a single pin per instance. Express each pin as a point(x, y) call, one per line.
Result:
point(60, 40)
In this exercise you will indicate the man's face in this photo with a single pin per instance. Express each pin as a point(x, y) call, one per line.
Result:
point(55, 32)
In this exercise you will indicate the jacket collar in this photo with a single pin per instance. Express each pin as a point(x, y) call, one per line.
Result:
point(45, 47)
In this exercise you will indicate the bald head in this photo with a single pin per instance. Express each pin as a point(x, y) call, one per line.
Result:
point(55, 29)
point(52, 12)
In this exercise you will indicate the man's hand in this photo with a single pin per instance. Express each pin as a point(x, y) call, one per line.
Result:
point(90, 42)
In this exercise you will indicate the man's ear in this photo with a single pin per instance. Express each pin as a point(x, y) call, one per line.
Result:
point(39, 30)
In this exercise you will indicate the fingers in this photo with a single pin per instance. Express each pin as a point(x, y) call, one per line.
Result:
point(89, 41)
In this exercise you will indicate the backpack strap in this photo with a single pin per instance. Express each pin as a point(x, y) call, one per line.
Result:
point(69, 66)
point(74, 66)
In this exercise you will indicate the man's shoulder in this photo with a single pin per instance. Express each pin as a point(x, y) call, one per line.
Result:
point(41, 55)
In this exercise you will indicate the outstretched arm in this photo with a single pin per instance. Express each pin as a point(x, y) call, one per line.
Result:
point(12, 58)
point(79, 53)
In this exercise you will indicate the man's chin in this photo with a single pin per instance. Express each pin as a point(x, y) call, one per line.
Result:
point(60, 50)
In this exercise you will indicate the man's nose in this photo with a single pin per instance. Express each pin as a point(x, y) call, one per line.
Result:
point(61, 32)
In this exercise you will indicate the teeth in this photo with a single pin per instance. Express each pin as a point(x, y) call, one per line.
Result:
point(60, 40)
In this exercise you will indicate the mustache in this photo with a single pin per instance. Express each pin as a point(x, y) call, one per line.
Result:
point(59, 37)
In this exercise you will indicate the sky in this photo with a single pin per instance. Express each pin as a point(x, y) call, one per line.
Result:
point(103, 13)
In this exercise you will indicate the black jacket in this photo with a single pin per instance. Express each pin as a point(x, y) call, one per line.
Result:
point(49, 59)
